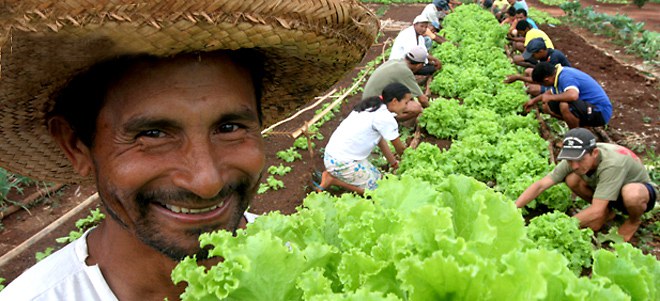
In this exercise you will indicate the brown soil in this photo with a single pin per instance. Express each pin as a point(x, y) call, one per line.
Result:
point(636, 122)
point(649, 13)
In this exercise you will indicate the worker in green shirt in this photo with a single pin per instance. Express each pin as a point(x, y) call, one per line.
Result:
point(607, 175)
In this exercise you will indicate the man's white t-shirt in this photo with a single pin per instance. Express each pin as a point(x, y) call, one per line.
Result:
point(406, 40)
point(360, 132)
point(431, 13)
point(64, 275)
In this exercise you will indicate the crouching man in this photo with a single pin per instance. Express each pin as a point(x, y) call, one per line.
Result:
point(607, 175)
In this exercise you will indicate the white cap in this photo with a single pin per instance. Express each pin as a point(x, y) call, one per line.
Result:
point(418, 54)
point(420, 19)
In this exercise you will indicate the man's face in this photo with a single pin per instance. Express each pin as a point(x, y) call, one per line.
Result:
point(520, 17)
point(586, 164)
point(414, 67)
point(420, 28)
point(178, 151)
point(548, 81)
point(540, 55)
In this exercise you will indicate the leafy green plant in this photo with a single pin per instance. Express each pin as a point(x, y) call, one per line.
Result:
point(636, 274)
point(82, 225)
point(279, 170)
point(263, 188)
point(570, 7)
point(640, 3)
point(410, 240)
point(612, 235)
point(443, 118)
point(2, 286)
point(541, 17)
point(301, 143)
point(289, 155)
point(558, 231)
point(274, 184)
point(39, 256)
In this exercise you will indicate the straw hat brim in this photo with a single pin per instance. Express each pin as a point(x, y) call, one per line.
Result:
point(308, 45)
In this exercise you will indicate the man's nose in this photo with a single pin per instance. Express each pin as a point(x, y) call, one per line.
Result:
point(199, 172)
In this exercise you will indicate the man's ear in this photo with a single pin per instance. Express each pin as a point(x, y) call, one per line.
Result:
point(550, 78)
point(75, 150)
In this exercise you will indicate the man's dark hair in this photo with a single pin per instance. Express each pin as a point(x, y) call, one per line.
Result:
point(511, 11)
point(411, 61)
point(523, 25)
point(521, 11)
point(541, 71)
point(80, 102)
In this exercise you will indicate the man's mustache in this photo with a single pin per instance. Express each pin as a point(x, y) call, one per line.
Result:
point(164, 196)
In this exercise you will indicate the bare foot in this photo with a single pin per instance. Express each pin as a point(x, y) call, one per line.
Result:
point(326, 180)
point(628, 229)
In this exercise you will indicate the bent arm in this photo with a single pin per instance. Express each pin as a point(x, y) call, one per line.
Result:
point(595, 215)
point(424, 100)
point(385, 148)
point(527, 106)
point(436, 62)
point(566, 96)
point(399, 146)
point(514, 77)
point(534, 191)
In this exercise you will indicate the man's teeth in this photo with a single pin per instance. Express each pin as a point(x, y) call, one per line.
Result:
point(177, 209)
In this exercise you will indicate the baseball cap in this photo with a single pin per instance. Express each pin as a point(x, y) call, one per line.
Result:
point(576, 143)
point(420, 19)
point(418, 54)
point(533, 46)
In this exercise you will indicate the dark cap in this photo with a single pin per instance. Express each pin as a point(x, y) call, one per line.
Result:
point(576, 143)
point(533, 46)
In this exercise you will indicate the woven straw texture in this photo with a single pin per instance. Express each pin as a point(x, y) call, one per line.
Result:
point(308, 44)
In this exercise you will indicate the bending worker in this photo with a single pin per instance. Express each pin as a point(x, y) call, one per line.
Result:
point(401, 71)
point(370, 123)
point(607, 175)
point(574, 96)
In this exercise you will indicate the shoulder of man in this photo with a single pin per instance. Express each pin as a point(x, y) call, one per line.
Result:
point(60, 276)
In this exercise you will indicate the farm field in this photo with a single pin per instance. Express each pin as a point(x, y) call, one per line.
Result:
point(636, 124)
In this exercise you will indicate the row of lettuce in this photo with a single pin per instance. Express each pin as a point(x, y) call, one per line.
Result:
point(436, 231)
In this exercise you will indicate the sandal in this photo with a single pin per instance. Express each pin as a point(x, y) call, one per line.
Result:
point(317, 186)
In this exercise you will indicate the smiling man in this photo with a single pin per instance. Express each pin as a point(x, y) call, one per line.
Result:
point(606, 175)
point(164, 117)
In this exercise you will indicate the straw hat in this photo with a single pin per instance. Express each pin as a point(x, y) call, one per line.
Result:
point(308, 45)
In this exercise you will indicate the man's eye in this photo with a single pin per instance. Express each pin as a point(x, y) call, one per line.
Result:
point(151, 134)
point(228, 128)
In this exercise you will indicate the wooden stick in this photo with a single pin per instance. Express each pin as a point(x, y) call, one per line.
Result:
point(427, 91)
point(385, 46)
point(316, 118)
point(320, 100)
point(9, 256)
point(417, 136)
point(31, 198)
point(546, 134)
